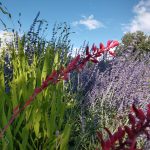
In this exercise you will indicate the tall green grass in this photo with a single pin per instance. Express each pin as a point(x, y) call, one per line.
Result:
point(42, 124)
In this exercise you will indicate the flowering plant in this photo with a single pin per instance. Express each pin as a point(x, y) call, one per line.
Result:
point(77, 63)
point(125, 137)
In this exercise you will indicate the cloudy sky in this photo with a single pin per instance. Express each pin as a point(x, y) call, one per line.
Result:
point(93, 21)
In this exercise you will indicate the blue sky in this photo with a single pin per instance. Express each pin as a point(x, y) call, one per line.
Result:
point(91, 20)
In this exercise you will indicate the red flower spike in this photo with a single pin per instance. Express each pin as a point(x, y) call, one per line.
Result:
point(55, 77)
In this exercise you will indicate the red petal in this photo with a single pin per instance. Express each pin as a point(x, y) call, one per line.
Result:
point(114, 44)
point(109, 42)
point(102, 46)
point(112, 53)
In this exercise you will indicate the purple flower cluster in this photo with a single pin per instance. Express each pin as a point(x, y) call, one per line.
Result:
point(122, 84)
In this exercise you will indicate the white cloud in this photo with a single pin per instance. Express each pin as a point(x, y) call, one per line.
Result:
point(89, 22)
point(141, 20)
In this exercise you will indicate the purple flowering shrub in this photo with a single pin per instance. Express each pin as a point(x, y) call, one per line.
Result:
point(110, 88)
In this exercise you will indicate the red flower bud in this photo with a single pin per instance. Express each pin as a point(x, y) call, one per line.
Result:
point(101, 46)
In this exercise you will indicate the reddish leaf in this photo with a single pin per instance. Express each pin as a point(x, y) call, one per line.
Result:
point(132, 119)
point(139, 113)
point(121, 132)
point(129, 132)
